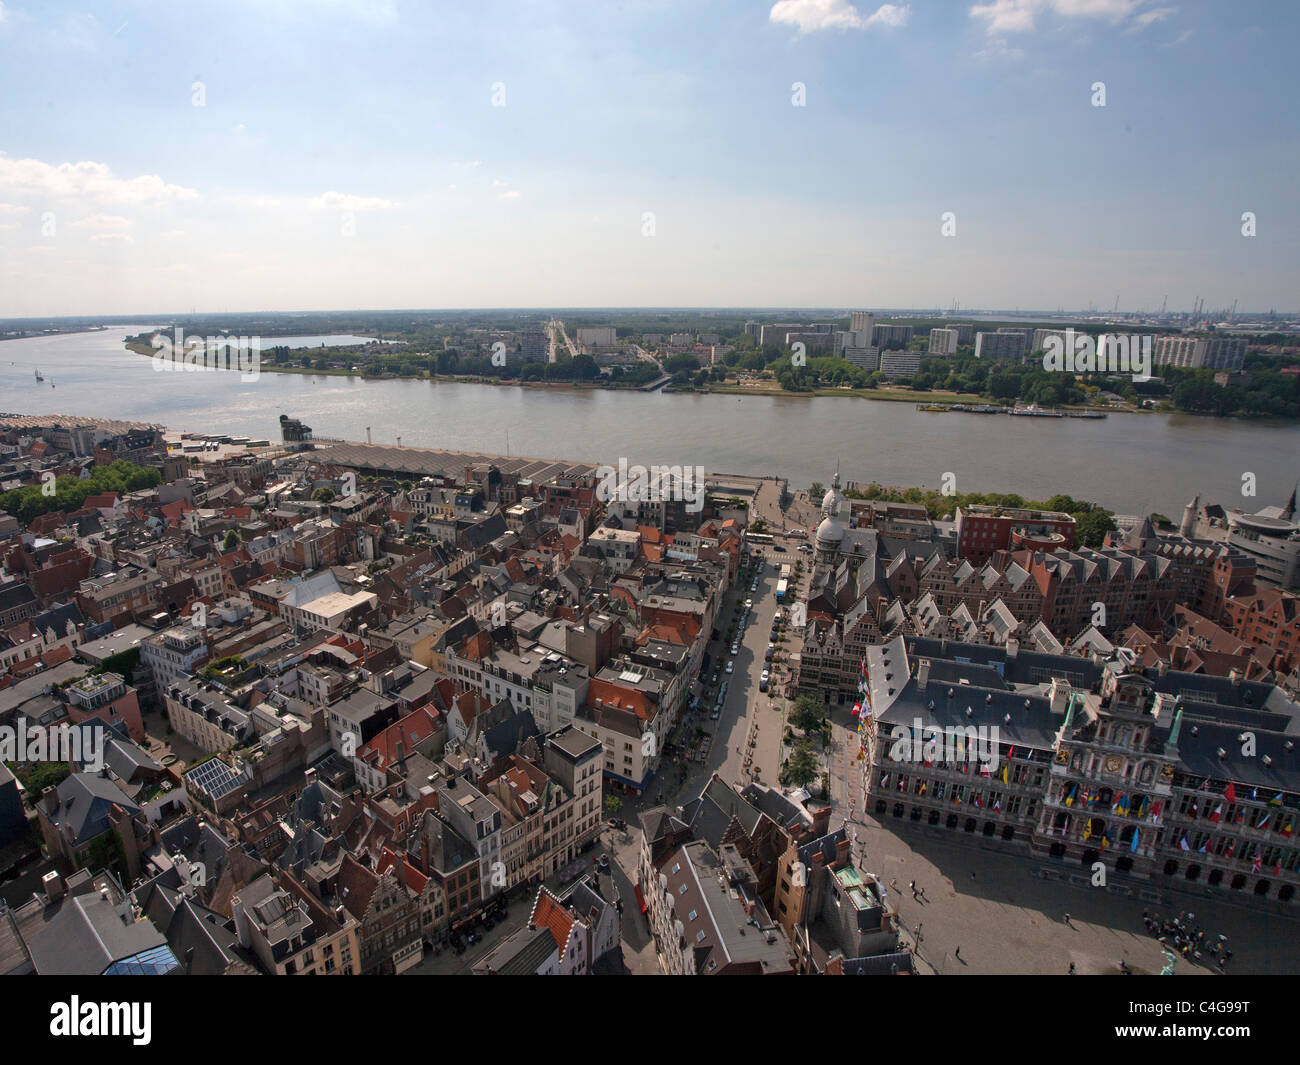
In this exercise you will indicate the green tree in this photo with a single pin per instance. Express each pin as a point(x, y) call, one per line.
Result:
point(802, 765)
point(1092, 527)
point(809, 714)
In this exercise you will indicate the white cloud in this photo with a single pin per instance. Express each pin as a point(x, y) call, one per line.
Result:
point(513, 194)
point(172, 234)
point(1018, 16)
point(102, 221)
point(86, 180)
point(125, 238)
point(497, 183)
point(11, 209)
point(1146, 18)
point(340, 201)
point(813, 15)
point(997, 48)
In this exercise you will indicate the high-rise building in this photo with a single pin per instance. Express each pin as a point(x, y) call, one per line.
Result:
point(1028, 334)
point(900, 363)
point(598, 336)
point(866, 358)
point(1212, 353)
point(883, 336)
point(999, 345)
point(861, 324)
point(943, 342)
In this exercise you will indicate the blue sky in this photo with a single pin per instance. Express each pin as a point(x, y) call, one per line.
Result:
point(355, 153)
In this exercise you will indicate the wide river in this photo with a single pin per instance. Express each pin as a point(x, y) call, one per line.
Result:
point(1132, 463)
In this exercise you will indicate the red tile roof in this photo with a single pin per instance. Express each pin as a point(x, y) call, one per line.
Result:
point(548, 913)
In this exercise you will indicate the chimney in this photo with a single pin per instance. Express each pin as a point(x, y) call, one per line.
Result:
point(923, 673)
point(53, 885)
point(1060, 695)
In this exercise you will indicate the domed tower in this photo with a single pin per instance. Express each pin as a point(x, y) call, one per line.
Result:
point(830, 533)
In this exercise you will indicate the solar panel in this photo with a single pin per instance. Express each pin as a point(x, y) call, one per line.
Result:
point(215, 778)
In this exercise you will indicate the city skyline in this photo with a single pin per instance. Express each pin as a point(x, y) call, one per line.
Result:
point(802, 153)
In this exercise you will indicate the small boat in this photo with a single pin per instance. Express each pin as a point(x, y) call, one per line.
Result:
point(1035, 411)
point(38, 376)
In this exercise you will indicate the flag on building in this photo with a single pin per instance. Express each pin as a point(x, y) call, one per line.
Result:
point(1134, 846)
point(1217, 815)
point(1183, 844)
point(1230, 792)
point(1276, 800)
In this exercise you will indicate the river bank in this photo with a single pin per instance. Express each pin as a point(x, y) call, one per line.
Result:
point(1131, 465)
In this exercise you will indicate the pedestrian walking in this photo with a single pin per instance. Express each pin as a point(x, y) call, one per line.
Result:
point(1071, 972)
point(957, 953)
point(1067, 920)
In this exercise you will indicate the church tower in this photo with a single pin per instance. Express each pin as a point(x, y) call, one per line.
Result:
point(830, 533)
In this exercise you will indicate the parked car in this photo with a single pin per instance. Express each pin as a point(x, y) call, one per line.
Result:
point(731, 667)
point(765, 676)
point(762, 685)
point(749, 604)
